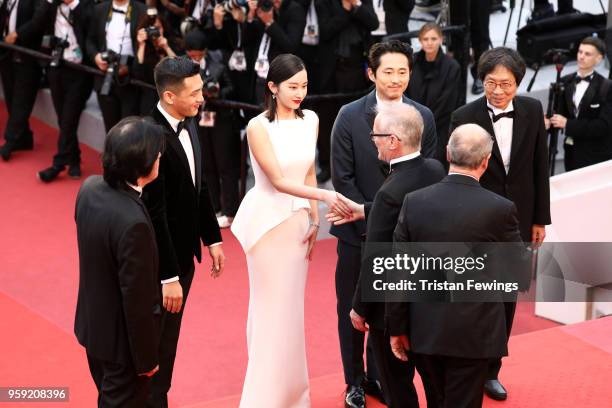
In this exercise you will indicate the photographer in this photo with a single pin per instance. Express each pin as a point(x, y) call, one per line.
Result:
point(220, 139)
point(152, 47)
point(273, 27)
point(173, 11)
point(66, 29)
point(111, 44)
point(585, 111)
point(20, 24)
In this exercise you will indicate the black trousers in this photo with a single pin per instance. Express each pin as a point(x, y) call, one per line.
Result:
point(496, 363)
point(351, 340)
point(170, 330)
point(123, 101)
point(564, 6)
point(70, 90)
point(396, 376)
point(455, 382)
point(221, 150)
point(118, 384)
point(20, 83)
point(480, 11)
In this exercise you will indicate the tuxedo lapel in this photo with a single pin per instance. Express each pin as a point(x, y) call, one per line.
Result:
point(484, 120)
point(197, 151)
point(175, 143)
point(519, 129)
point(569, 97)
point(370, 115)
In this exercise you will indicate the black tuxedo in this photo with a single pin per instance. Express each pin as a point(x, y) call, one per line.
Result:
point(590, 129)
point(527, 181)
point(381, 215)
point(445, 336)
point(183, 217)
point(123, 100)
point(21, 73)
point(358, 174)
point(118, 306)
point(69, 87)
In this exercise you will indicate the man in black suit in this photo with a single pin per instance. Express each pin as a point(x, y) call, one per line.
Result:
point(118, 307)
point(357, 173)
point(70, 88)
point(114, 26)
point(397, 135)
point(180, 206)
point(20, 24)
point(452, 343)
point(585, 113)
point(518, 169)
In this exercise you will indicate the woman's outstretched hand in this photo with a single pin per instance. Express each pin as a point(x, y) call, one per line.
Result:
point(337, 205)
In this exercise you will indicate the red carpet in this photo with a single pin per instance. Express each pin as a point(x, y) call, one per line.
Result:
point(38, 284)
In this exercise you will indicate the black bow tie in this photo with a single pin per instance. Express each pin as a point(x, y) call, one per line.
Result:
point(495, 117)
point(579, 78)
point(116, 10)
point(180, 127)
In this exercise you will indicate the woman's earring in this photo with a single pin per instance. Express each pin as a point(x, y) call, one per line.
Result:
point(273, 96)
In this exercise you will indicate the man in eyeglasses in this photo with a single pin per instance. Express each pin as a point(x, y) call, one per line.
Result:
point(518, 169)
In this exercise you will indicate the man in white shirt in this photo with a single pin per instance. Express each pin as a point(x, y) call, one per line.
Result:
point(180, 206)
point(585, 110)
point(114, 28)
point(70, 88)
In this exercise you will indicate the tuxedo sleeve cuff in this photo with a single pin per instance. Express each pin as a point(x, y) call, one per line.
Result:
point(170, 280)
point(215, 244)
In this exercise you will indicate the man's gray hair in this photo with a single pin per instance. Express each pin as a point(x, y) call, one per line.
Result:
point(402, 120)
point(469, 145)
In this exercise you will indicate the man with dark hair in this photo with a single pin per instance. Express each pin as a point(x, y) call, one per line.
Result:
point(180, 206)
point(452, 343)
point(118, 308)
point(518, 169)
point(585, 111)
point(357, 173)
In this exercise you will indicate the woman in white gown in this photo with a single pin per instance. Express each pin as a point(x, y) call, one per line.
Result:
point(277, 227)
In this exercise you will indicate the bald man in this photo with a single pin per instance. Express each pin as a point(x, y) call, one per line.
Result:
point(451, 343)
point(396, 133)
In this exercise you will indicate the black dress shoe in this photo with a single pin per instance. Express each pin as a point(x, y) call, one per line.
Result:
point(477, 87)
point(50, 174)
point(495, 390)
point(355, 397)
point(373, 389)
point(323, 176)
point(6, 150)
point(74, 171)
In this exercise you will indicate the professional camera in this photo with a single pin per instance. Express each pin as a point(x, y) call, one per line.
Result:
point(211, 88)
point(557, 56)
point(57, 46)
point(113, 60)
point(265, 5)
point(151, 29)
point(228, 5)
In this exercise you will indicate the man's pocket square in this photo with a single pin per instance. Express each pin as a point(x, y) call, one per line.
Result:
point(595, 106)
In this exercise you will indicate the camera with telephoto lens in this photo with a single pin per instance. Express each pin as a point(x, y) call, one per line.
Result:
point(211, 88)
point(57, 46)
point(265, 5)
point(113, 60)
point(228, 5)
point(557, 56)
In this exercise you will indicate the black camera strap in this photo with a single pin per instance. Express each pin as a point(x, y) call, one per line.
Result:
point(69, 18)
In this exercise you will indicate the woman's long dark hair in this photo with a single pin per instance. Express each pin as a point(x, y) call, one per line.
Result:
point(281, 69)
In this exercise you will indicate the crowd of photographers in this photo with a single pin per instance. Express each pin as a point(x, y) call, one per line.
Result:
point(233, 40)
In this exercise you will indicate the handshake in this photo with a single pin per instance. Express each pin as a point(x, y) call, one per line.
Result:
point(343, 210)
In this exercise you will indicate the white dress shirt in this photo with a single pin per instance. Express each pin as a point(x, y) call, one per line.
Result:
point(12, 26)
point(380, 14)
point(65, 31)
point(188, 148)
point(581, 88)
point(138, 189)
point(183, 138)
point(118, 34)
point(503, 133)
